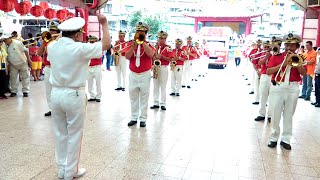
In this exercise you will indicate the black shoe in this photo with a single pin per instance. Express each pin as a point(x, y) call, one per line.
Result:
point(25, 95)
point(249, 84)
point(255, 103)
point(259, 118)
point(92, 99)
point(131, 123)
point(118, 89)
point(246, 79)
point(163, 108)
point(314, 103)
point(142, 124)
point(13, 94)
point(251, 92)
point(177, 94)
point(272, 144)
point(307, 99)
point(98, 100)
point(317, 105)
point(123, 89)
point(188, 87)
point(269, 119)
point(47, 114)
point(302, 97)
point(285, 145)
point(191, 79)
point(183, 86)
point(172, 94)
point(154, 107)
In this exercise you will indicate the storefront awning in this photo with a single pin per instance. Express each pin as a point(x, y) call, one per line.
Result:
point(301, 4)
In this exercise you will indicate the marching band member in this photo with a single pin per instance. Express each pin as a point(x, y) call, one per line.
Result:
point(204, 58)
point(265, 80)
point(196, 62)
point(254, 55)
point(187, 69)
point(42, 51)
point(140, 57)
point(95, 72)
point(284, 95)
point(164, 54)
point(69, 58)
point(121, 67)
point(307, 80)
point(179, 57)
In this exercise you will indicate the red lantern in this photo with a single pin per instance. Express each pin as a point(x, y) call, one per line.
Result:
point(61, 14)
point(29, 4)
point(36, 11)
point(22, 8)
point(69, 15)
point(6, 5)
point(15, 2)
point(50, 13)
point(44, 5)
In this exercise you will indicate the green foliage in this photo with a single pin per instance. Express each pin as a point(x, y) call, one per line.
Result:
point(156, 22)
point(134, 19)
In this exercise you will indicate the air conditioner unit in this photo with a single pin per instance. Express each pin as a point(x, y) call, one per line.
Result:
point(313, 2)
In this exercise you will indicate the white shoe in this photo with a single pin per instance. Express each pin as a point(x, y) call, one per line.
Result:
point(61, 174)
point(80, 172)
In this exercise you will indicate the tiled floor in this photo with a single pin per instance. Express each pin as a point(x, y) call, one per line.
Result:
point(206, 133)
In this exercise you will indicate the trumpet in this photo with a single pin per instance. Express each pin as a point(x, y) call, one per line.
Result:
point(293, 60)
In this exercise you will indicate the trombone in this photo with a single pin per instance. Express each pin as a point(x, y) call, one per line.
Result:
point(258, 57)
point(46, 36)
point(252, 55)
point(139, 38)
point(293, 60)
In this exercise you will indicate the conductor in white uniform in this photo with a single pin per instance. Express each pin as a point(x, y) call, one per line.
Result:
point(69, 58)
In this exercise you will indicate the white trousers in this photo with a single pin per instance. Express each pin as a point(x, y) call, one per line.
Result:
point(264, 88)
point(68, 115)
point(253, 74)
point(176, 77)
point(196, 68)
point(47, 84)
point(95, 72)
point(121, 70)
point(283, 100)
point(204, 61)
point(139, 90)
point(256, 87)
point(160, 84)
point(21, 70)
point(187, 73)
